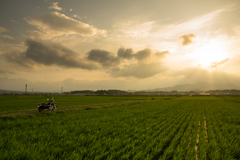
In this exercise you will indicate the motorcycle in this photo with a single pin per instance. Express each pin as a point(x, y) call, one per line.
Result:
point(50, 106)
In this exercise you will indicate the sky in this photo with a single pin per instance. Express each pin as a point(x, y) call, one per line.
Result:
point(110, 44)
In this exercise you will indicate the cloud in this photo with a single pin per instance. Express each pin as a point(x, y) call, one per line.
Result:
point(6, 71)
point(162, 54)
point(76, 16)
point(13, 21)
point(2, 30)
point(137, 30)
point(48, 54)
point(152, 31)
point(105, 58)
point(201, 21)
point(187, 39)
point(125, 53)
point(139, 70)
point(142, 69)
point(198, 74)
point(40, 54)
point(55, 6)
point(215, 64)
point(6, 36)
point(143, 54)
point(19, 58)
point(54, 24)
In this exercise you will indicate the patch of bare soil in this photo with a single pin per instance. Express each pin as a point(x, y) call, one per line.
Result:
point(196, 146)
point(205, 129)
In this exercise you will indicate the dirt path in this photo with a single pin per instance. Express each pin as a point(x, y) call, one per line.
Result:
point(196, 146)
point(205, 128)
point(69, 108)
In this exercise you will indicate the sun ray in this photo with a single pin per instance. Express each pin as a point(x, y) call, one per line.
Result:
point(209, 53)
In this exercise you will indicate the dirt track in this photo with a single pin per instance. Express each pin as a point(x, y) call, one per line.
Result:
point(68, 108)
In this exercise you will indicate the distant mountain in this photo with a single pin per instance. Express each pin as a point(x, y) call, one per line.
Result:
point(202, 86)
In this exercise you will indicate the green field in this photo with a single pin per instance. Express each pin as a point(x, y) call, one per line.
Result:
point(30, 102)
point(177, 128)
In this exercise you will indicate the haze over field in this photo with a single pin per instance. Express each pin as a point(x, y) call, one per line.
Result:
point(123, 45)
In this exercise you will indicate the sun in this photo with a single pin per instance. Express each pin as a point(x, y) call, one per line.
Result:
point(208, 53)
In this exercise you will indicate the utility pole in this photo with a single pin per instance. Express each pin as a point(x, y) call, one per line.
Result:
point(26, 89)
point(62, 90)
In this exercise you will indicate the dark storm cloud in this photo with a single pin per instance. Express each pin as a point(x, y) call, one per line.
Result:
point(105, 58)
point(61, 23)
point(125, 53)
point(187, 39)
point(143, 54)
point(48, 54)
point(140, 70)
point(215, 64)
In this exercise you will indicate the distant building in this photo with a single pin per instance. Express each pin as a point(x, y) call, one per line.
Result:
point(205, 94)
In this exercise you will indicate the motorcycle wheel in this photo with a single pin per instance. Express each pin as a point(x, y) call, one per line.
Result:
point(39, 109)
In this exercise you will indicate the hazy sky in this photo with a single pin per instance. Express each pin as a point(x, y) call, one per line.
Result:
point(110, 44)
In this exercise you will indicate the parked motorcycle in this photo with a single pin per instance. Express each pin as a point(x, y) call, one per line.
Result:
point(50, 106)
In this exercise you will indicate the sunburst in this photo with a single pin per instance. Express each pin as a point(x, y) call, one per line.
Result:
point(208, 53)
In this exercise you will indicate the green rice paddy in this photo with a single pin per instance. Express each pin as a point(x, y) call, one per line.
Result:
point(177, 128)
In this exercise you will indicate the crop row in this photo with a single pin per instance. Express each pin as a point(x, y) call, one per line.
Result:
point(184, 128)
point(226, 137)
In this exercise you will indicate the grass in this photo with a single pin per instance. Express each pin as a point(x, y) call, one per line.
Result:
point(29, 102)
point(165, 129)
